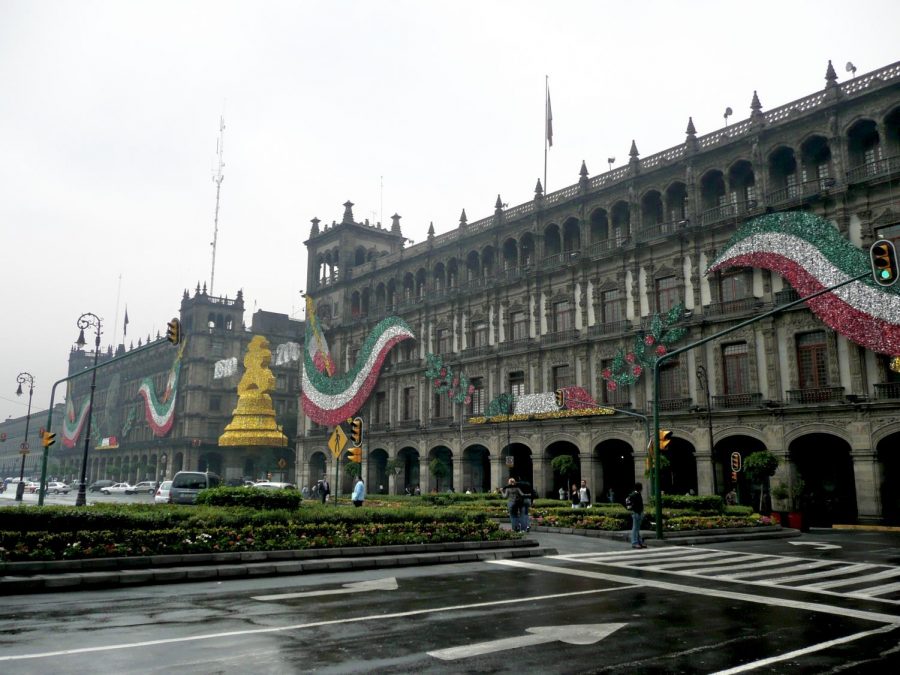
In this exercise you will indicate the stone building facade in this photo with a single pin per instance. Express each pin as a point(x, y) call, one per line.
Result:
point(128, 444)
point(542, 295)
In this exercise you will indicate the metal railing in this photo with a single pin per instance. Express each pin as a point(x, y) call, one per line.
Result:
point(880, 167)
point(815, 395)
point(753, 400)
point(732, 307)
point(516, 345)
point(609, 328)
point(560, 337)
point(887, 390)
point(671, 404)
point(477, 352)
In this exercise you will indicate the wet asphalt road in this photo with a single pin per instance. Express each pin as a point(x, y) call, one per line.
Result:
point(600, 607)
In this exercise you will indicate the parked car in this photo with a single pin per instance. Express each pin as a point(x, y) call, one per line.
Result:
point(186, 485)
point(31, 487)
point(55, 487)
point(116, 488)
point(98, 485)
point(148, 486)
point(271, 485)
point(162, 492)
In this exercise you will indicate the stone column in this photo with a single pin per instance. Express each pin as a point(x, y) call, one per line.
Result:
point(537, 470)
point(867, 479)
point(498, 472)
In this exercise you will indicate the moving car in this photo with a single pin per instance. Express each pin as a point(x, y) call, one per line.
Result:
point(186, 485)
point(116, 488)
point(98, 485)
point(148, 486)
point(162, 492)
point(271, 485)
point(55, 487)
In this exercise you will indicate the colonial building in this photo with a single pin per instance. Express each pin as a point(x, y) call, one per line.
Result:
point(12, 436)
point(542, 295)
point(162, 409)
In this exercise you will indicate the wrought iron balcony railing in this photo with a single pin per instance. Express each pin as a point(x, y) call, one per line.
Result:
point(887, 390)
point(816, 395)
point(753, 400)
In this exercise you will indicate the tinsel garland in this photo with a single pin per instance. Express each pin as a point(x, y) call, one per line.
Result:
point(330, 400)
point(812, 255)
point(628, 366)
point(445, 381)
point(524, 417)
point(72, 424)
point(160, 414)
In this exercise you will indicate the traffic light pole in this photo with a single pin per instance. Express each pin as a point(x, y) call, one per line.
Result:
point(92, 369)
point(668, 356)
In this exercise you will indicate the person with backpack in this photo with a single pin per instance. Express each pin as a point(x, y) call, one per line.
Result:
point(634, 502)
point(528, 499)
point(515, 499)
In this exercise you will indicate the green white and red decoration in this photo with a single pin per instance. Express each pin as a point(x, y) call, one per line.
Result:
point(74, 424)
point(445, 381)
point(329, 400)
point(811, 254)
point(628, 366)
point(159, 411)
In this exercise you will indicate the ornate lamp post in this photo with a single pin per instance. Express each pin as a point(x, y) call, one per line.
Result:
point(29, 378)
point(703, 379)
point(87, 320)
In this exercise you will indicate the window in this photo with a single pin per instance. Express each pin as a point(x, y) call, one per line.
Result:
point(735, 286)
point(444, 341)
point(479, 334)
point(619, 396)
point(519, 326)
point(352, 355)
point(562, 376)
point(215, 403)
point(737, 368)
point(667, 294)
point(441, 406)
point(379, 412)
point(280, 382)
point(216, 347)
point(409, 403)
point(669, 385)
point(790, 182)
point(212, 429)
point(476, 405)
point(812, 357)
point(517, 383)
point(612, 306)
point(562, 316)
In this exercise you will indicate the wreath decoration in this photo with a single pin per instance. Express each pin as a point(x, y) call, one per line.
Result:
point(445, 381)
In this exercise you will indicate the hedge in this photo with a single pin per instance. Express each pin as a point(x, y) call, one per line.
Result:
point(250, 497)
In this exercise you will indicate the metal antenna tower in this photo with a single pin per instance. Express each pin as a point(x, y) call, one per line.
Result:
point(217, 179)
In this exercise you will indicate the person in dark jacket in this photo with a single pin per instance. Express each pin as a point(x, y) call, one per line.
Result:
point(530, 496)
point(514, 501)
point(634, 502)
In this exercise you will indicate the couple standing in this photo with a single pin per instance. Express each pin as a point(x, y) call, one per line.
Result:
point(518, 502)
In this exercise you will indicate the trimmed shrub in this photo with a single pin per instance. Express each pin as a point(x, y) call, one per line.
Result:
point(254, 498)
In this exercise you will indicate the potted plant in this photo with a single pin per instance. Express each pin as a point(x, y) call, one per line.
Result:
point(781, 494)
point(795, 515)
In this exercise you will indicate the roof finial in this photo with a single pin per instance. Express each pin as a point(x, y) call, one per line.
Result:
point(830, 76)
point(348, 213)
point(538, 190)
point(314, 230)
point(462, 218)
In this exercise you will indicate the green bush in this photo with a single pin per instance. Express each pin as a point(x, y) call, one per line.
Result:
point(254, 498)
point(713, 503)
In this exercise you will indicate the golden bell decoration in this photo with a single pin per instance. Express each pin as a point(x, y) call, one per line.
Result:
point(253, 420)
point(895, 364)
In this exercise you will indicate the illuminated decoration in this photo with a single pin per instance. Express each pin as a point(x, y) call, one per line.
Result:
point(129, 422)
point(577, 402)
point(107, 443)
point(225, 368)
point(330, 400)
point(253, 420)
point(73, 424)
point(576, 398)
point(160, 412)
point(288, 352)
point(316, 346)
point(445, 381)
point(811, 255)
point(628, 366)
point(895, 364)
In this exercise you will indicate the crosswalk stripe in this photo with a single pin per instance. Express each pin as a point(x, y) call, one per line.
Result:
point(886, 574)
point(793, 568)
point(884, 589)
point(852, 569)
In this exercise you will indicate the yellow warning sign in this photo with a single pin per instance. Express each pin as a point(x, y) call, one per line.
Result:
point(337, 441)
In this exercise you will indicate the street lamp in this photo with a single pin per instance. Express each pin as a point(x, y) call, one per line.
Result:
point(703, 379)
point(87, 320)
point(29, 378)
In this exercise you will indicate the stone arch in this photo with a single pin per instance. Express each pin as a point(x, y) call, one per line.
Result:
point(571, 234)
point(510, 254)
point(887, 453)
point(553, 480)
point(552, 240)
point(521, 467)
point(376, 472)
point(476, 469)
point(825, 466)
point(443, 454)
point(408, 474)
point(745, 445)
point(680, 476)
point(652, 212)
point(613, 475)
point(317, 466)
point(526, 250)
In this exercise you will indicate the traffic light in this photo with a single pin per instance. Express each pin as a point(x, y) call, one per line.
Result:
point(560, 398)
point(356, 431)
point(48, 439)
point(173, 331)
point(884, 262)
point(665, 437)
point(355, 454)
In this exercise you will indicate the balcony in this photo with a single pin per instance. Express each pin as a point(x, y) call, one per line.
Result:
point(737, 401)
point(816, 395)
point(671, 404)
point(799, 191)
point(560, 337)
point(606, 247)
point(869, 170)
point(887, 390)
point(742, 306)
point(442, 421)
point(786, 296)
point(610, 328)
point(408, 424)
point(730, 211)
point(658, 230)
point(516, 345)
point(477, 352)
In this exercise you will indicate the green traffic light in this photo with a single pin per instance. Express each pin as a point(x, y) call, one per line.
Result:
point(885, 274)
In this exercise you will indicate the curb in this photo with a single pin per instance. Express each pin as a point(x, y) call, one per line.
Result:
point(197, 568)
point(688, 537)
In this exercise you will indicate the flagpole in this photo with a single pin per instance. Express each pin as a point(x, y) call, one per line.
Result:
point(546, 124)
point(118, 296)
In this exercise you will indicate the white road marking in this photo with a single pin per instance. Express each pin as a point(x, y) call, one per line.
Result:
point(818, 545)
point(714, 593)
point(878, 576)
point(389, 584)
point(876, 590)
point(790, 568)
point(851, 569)
point(313, 624)
point(576, 634)
point(807, 650)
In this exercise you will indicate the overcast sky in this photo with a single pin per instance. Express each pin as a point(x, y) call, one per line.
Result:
point(109, 119)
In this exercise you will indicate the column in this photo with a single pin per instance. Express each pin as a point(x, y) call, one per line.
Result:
point(867, 479)
point(498, 472)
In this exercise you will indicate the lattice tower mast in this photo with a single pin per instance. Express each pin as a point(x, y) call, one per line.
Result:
point(217, 179)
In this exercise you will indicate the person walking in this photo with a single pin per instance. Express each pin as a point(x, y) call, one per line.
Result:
point(529, 497)
point(575, 496)
point(514, 500)
point(634, 502)
point(359, 492)
point(584, 495)
point(324, 489)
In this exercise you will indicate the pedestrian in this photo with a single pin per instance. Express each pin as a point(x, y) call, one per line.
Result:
point(359, 492)
point(304, 492)
point(381, 489)
point(635, 503)
point(611, 496)
point(731, 498)
point(562, 493)
point(574, 496)
point(514, 501)
point(528, 498)
point(417, 491)
point(324, 489)
point(584, 495)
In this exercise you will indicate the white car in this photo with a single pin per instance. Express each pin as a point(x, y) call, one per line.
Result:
point(162, 492)
point(55, 487)
point(147, 486)
point(116, 488)
point(270, 485)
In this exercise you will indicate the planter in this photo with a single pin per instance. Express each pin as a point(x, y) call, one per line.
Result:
point(795, 520)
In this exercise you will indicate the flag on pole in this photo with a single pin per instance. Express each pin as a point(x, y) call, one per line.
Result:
point(549, 120)
point(125, 327)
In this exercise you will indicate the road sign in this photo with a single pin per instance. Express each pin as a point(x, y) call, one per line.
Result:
point(579, 634)
point(337, 441)
point(282, 463)
point(23, 449)
point(735, 462)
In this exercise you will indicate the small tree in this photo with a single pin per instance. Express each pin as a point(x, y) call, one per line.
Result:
point(565, 466)
point(439, 469)
point(759, 467)
point(353, 469)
